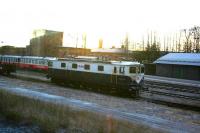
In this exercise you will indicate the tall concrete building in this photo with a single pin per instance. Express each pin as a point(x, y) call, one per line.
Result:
point(45, 43)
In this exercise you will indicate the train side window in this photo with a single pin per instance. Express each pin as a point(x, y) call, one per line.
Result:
point(50, 64)
point(132, 70)
point(74, 66)
point(100, 68)
point(87, 67)
point(63, 65)
point(115, 69)
point(121, 69)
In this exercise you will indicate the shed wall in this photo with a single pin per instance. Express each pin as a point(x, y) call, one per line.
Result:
point(178, 71)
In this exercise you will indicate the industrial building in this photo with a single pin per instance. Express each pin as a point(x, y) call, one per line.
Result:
point(11, 50)
point(179, 65)
point(71, 51)
point(45, 43)
point(112, 53)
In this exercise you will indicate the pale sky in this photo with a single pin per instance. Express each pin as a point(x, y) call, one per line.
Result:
point(107, 19)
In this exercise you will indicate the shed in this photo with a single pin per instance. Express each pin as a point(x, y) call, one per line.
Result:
point(179, 65)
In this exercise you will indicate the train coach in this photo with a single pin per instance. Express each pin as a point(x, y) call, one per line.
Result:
point(9, 63)
point(97, 74)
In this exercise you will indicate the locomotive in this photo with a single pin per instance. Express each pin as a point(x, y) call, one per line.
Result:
point(94, 73)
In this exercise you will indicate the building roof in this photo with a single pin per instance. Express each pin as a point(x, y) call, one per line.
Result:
point(192, 59)
point(111, 50)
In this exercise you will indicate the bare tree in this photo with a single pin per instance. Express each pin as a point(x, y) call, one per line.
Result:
point(179, 42)
point(195, 31)
point(187, 46)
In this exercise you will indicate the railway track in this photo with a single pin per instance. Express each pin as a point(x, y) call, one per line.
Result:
point(169, 91)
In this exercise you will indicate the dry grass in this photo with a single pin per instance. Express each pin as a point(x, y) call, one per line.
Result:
point(51, 117)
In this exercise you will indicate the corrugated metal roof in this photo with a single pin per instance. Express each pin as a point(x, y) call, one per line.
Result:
point(192, 59)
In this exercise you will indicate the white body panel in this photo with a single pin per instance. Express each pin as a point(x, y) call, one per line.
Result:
point(122, 68)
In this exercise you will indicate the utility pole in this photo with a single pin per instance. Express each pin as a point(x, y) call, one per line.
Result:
point(164, 43)
point(143, 42)
point(179, 43)
point(176, 43)
point(126, 41)
point(154, 38)
point(151, 38)
point(84, 39)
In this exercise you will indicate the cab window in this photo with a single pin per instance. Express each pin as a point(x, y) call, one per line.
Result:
point(142, 69)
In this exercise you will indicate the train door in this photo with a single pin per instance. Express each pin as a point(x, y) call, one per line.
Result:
point(113, 78)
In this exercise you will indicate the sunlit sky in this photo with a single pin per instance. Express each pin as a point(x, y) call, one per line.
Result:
point(107, 19)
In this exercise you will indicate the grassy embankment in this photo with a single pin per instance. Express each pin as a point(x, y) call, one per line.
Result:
point(51, 117)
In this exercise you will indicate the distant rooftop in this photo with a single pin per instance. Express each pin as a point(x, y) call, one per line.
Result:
point(111, 50)
point(42, 32)
point(192, 59)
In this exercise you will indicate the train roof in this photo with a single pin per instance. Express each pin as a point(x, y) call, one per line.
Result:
point(127, 63)
point(10, 56)
point(192, 59)
point(93, 60)
point(38, 57)
point(30, 57)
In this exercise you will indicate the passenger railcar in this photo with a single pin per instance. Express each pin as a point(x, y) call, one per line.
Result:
point(95, 74)
point(34, 63)
point(9, 63)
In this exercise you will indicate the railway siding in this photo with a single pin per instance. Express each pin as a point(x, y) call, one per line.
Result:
point(186, 92)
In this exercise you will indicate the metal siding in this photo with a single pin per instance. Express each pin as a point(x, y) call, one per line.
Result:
point(164, 70)
point(178, 71)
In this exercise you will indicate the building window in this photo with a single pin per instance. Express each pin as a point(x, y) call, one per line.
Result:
point(87, 67)
point(132, 70)
point(63, 65)
point(100, 68)
point(74, 66)
point(115, 69)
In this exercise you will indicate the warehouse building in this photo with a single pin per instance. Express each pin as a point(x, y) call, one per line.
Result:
point(179, 65)
point(45, 43)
